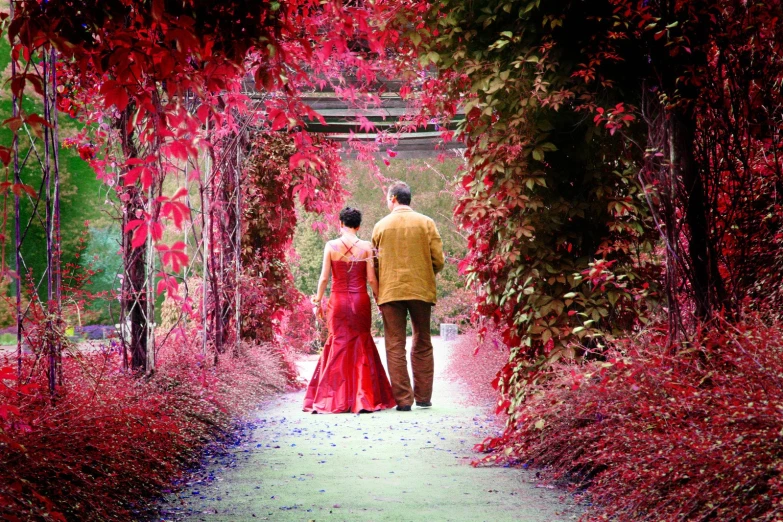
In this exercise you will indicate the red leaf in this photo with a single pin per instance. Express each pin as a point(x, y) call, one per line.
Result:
point(7, 373)
point(157, 10)
point(133, 175)
point(203, 113)
point(140, 235)
point(157, 231)
point(14, 123)
point(133, 223)
point(114, 94)
point(280, 121)
point(18, 188)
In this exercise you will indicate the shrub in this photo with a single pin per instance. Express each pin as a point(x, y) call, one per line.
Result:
point(474, 362)
point(108, 441)
point(690, 432)
point(456, 308)
point(301, 333)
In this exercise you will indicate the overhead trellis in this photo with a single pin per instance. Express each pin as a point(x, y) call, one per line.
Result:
point(389, 122)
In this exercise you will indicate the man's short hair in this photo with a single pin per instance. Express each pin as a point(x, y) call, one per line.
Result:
point(350, 217)
point(402, 192)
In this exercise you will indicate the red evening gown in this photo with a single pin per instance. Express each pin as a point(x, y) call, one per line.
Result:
point(349, 376)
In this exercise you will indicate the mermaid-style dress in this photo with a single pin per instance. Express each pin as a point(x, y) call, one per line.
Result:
point(349, 376)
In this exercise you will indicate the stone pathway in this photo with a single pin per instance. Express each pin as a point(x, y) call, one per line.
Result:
point(384, 466)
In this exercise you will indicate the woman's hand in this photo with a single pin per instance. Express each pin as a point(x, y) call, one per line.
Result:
point(319, 314)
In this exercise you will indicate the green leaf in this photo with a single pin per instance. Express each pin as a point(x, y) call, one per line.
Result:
point(538, 154)
point(499, 44)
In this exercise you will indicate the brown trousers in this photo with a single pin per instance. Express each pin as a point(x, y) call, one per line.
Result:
point(395, 316)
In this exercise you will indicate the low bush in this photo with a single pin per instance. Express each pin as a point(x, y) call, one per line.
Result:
point(655, 432)
point(474, 362)
point(109, 442)
point(455, 308)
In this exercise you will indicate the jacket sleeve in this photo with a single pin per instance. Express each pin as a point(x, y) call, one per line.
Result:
point(436, 248)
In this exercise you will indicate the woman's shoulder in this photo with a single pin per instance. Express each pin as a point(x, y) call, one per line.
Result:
point(364, 246)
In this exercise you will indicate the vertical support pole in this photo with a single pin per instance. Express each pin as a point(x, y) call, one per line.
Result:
point(205, 227)
point(237, 249)
point(150, 285)
point(51, 334)
point(15, 110)
point(55, 231)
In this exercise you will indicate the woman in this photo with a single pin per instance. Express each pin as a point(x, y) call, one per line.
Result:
point(349, 376)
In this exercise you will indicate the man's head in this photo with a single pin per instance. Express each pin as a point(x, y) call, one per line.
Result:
point(350, 217)
point(399, 194)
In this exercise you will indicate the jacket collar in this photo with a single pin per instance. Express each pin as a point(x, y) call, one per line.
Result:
point(402, 208)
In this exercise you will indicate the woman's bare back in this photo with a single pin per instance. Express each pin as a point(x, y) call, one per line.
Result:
point(349, 250)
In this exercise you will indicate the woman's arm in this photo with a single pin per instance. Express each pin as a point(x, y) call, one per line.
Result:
point(371, 277)
point(326, 271)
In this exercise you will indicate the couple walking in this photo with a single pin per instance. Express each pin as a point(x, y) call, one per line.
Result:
point(400, 266)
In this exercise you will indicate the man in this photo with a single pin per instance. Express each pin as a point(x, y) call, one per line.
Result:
point(410, 253)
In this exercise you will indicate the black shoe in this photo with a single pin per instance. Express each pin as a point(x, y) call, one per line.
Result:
point(404, 408)
point(424, 404)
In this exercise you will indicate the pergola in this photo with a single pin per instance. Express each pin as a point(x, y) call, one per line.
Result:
point(342, 123)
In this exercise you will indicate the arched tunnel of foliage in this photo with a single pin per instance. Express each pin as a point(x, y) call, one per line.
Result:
point(619, 202)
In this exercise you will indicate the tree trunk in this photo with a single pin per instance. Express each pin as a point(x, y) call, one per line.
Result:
point(134, 283)
point(135, 296)
point(704, 276)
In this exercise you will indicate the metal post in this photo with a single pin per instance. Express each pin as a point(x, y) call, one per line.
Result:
point(150, 285)
point(237, 249)
point(50, 344)
point(205, 227)
point(15, 110)
point(55, 230)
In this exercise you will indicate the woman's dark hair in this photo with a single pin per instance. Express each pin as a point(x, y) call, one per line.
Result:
point(402, 192)
point(350, 217)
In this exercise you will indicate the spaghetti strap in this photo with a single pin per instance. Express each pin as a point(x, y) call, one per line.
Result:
point(349, 250)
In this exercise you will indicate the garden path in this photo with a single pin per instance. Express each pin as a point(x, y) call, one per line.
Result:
point(384, 466)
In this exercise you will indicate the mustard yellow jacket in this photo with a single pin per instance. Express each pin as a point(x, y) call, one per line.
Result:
point(409, 254)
